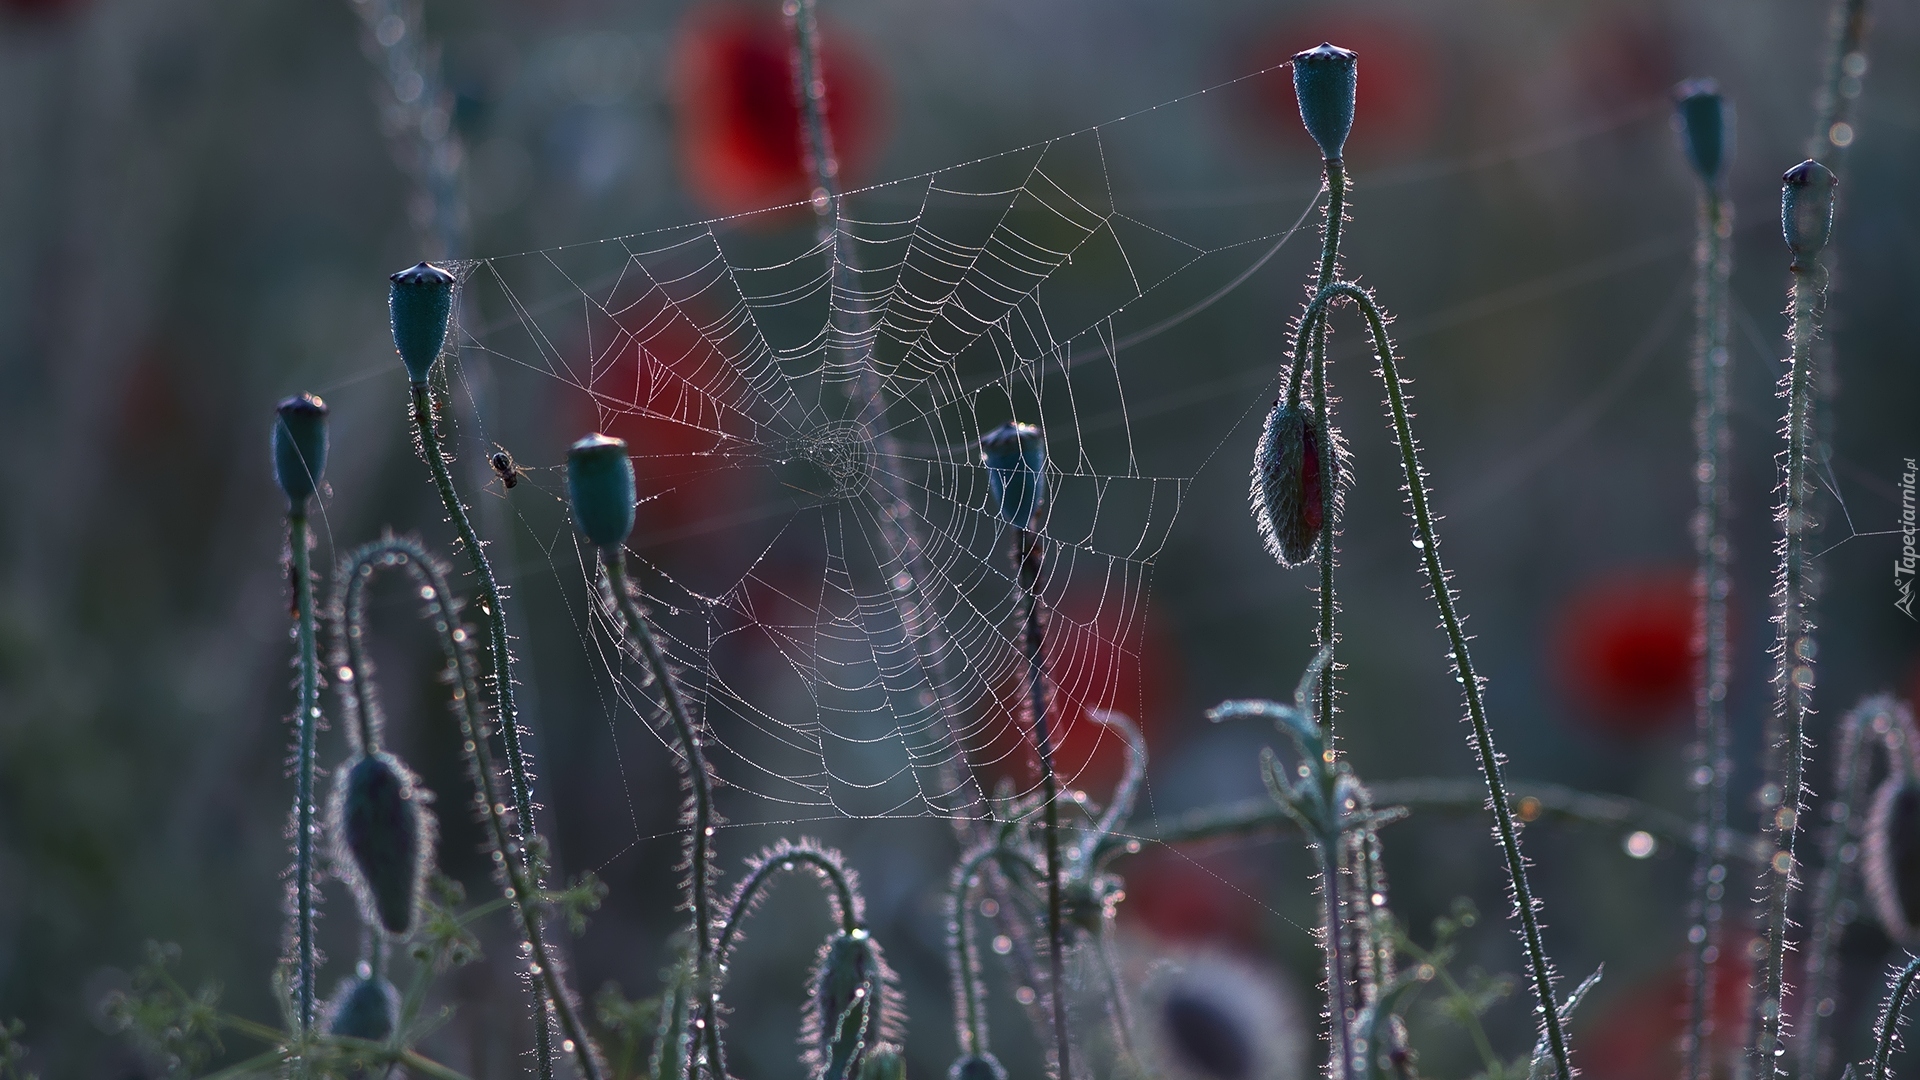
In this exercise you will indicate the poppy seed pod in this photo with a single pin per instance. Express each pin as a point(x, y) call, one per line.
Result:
point(600, 486)
point(385, 836)
point(982, 1066)
point(1893, 859)
point(1706, 128)
point(1806, 208)
point(420, 302)
point(1016, 457)
point(300, 448)
point(364, 1009)
point(847, 1010)
point(1288, 499)
point(1324, 80)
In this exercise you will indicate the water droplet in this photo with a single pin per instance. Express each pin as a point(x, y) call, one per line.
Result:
point(1002, 945)
point(1419, 543)
point(1640, 844)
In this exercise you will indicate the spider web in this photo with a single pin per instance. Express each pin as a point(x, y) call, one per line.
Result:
point(816, 537)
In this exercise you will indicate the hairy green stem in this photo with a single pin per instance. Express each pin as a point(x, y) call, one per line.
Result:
point(1028, 557)
point(1541, 973)
point(307, 724)
point(523, 891)
point(1711, 585)
point(1889, 1026)
point(1832, 104)
point(782, 862)
point(964, 957)
point(1782, 799)
point(1333, 927)
point(639, 631)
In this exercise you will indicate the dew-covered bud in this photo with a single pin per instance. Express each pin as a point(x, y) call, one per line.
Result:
point(1016, 459)
point(420, 302)
point(847, 1011)
point(1893, 859)
point(1287, 493)
point(600, 486)
point(884, 1062)
point(300, 448)
point(1208, 1017)
point(1806, 208)
point(384, 836)
point(1324, 80)
point(364, 1009)
point(1706, 128)
point(982, 1066)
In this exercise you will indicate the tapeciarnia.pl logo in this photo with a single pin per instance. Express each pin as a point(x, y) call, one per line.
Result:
point(1909, 561)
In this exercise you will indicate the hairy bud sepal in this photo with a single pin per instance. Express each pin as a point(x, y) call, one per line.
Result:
point(1706, 128)
point(601, 488)
point(848, 1010)
point(1288, 498)
point(1893, 859)
point(884, 1062)
point(1015, 455)
point(384, 834)
point(300, 448)
point(981, 1066)
point(1806, 209)
point(420, 304)
point(364, 1009)
point(1324, 81)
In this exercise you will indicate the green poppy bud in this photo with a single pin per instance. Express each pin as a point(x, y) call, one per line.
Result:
point(1016, 457)
point(884, 1062)
point(847, 1011)
point(384, 834)
point(1893, 859)
point(300, 448)
point(420, 303)
point(1706, 128)
point(1324, 80)
point(981, 1066)
point(600, 486)
point(1287, 491)
point(364, 1009)
point(1806, 209)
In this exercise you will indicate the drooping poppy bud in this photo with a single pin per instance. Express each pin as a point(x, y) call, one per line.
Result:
point(384, 835)
point(300, 448)
point(884, 1062)
point(1806, 209)
point(1324, 80)
point(1015, 455)
point(1208, 1017)
point(1893, 859)
point(364, 1009)
point(600, 487)
point(982, 1066)
point(420, 302)
point(1287, 493)
point(1706, 128)
point(847, 1011)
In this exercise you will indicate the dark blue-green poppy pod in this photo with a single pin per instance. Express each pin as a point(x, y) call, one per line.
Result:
point(1324, 80)
point(1806, 208)
point(420, 302)
point(981, 1066)
point(1706, 128)
point(364, 1009)
point(600, 485)
point(1016, 459)
point(300, 448)
point(384, 833)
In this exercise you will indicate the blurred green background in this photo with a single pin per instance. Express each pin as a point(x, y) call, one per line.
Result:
point(199, 200)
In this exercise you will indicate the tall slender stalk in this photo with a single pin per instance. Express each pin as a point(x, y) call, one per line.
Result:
point(1712, 551)
point(1783, 798)
point(639, 631)
point(1028, 557)
point(308, 722)
point(1888, 1029)
point(1540, 972)
point(500, 656)
point(1336, 184)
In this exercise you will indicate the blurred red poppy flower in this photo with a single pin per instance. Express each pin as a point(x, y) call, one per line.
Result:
point(1179, 896)
point(35, 9)
point(1637, 1035)
point(740, 133)
point(1101, 653)
point(1397, 98)
point(1626, 651)
point(1622, 58)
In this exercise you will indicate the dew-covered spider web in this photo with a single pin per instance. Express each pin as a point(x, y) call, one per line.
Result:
point(816, 537)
